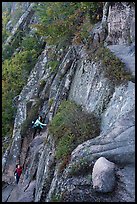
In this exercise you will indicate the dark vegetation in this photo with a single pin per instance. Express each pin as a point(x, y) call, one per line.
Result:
point(113, 68)
point(71, 126)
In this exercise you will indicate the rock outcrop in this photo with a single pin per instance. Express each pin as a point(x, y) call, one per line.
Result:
point(121, 23)
point(81, 80)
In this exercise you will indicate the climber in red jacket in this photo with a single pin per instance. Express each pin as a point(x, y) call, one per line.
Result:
point(18, 173)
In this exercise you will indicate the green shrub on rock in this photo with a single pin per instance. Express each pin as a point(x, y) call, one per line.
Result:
point(71, 126)
point(113, 68)
point(65, 146)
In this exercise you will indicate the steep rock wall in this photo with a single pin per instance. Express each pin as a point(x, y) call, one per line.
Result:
point(29, 92)
point(115, 142)
point(121, 23)
point(90, 88)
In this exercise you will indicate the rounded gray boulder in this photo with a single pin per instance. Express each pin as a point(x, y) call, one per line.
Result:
point(103, 175)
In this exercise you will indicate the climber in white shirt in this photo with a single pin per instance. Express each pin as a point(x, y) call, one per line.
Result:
point(38, 125)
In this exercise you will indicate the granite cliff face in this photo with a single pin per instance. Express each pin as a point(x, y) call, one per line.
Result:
point(82, 79)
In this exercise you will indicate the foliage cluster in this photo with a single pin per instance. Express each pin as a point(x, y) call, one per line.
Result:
point(31, 42)
point(53, 65)
point(60, 20)
point(5, 19)
point(56, 198)
point(80, 167)
point(18, 58)
point(15, 72)
point(114, 68)
point(23, 43)
point(72, 126)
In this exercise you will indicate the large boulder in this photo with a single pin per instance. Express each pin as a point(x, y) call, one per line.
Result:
point(103, 175)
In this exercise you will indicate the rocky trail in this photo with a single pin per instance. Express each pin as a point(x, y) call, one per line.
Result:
point(18, 192)
point(24, 190)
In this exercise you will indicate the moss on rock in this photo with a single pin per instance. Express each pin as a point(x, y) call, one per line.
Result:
point(113, 68)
